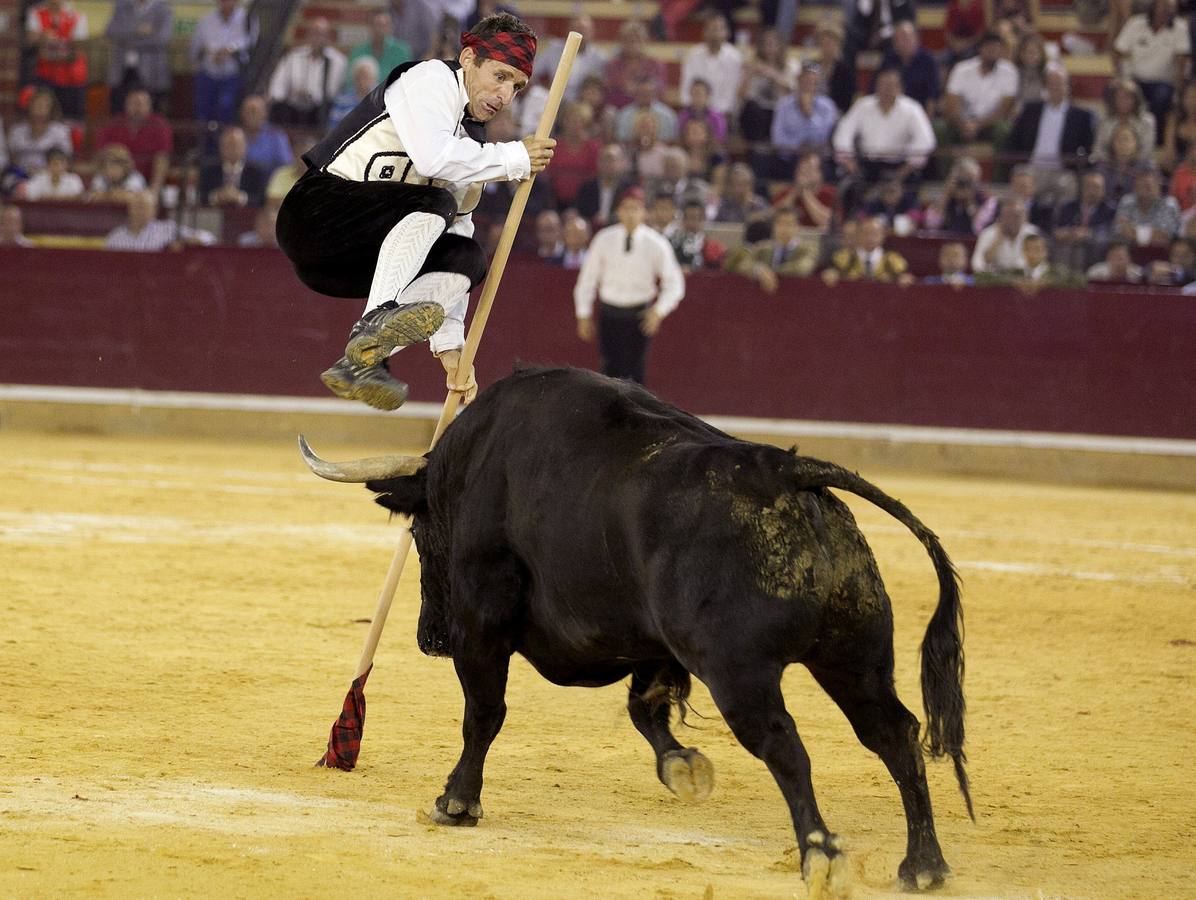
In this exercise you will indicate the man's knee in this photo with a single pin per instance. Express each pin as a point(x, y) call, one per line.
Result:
point(439, 202)
point(456, 253)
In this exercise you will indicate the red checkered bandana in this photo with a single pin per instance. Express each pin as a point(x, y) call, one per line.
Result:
point(515, 48)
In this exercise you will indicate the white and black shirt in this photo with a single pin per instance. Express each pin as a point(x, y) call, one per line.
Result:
point(414, 127)
point(629, 270)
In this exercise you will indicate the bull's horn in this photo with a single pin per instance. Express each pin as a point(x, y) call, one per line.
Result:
point(358, 471)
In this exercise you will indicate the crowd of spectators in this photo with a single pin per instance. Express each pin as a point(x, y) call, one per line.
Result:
point(766, 160)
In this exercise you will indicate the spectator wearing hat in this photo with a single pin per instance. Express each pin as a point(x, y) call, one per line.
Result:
point(1145, 216)
point(632, 274)
point(978, 105)
point(139, 33)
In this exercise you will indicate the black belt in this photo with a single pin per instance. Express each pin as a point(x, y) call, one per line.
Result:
point(626, 312)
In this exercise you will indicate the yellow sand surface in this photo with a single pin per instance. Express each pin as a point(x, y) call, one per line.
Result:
point(179, 622)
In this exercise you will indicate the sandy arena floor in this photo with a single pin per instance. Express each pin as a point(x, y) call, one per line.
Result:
point(180, 621)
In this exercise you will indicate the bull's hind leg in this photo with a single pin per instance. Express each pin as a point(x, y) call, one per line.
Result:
point(888, 729)
point(750, 699)
point(654, 690)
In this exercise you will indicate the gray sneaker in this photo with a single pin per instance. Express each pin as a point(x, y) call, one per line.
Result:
point(372, 385)
point(383, 329)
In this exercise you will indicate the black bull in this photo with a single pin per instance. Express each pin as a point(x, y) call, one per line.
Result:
point(603, 535)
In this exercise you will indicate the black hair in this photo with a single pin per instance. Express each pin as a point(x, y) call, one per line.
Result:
point(498, 23)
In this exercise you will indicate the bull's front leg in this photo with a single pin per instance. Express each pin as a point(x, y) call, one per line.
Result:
point(483, 677)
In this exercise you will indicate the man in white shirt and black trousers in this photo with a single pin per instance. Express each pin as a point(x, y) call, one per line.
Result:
point(383, 211)
point(633, 273)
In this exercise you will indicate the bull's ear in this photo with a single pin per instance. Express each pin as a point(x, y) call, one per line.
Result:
point(407, 495)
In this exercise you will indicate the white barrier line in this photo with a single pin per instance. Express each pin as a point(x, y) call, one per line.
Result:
point(1095, 543)
point(794, 428)
point(1019, 568)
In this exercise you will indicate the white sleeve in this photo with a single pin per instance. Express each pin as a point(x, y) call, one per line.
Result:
point(80, 32)
point(451, 333)
point(922, 140)
point(687, 74)
point(424, 106)
point(280, 80)
point(672, 282)
point(844, 139)
point(1125, 38)
point(336, 73)
point(983, 241)
point(586, 289)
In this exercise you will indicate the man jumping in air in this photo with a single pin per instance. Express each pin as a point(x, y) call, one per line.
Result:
point(383, 210)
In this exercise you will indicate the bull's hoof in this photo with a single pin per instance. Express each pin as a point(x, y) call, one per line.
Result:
point(825, 869)
point(449, 811)
point(688, 774)
point(922, 875)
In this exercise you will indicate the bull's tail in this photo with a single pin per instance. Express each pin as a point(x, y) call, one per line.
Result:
point(942, 646)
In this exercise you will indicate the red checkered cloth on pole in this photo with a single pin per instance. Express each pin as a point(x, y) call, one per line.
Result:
point(344, 743)
point(515, 48)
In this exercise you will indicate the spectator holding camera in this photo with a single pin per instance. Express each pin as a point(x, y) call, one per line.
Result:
point(959, 208)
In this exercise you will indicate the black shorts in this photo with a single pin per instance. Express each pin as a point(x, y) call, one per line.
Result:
point(331, 229)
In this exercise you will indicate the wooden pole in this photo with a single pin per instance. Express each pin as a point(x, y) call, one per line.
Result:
point(478, 324)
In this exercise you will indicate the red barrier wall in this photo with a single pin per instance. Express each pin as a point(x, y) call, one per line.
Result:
point(238, 321)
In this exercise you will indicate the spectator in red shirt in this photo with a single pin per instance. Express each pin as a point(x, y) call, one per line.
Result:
point(148, 137)
point(575, 159)
point(965, 24)
point(1183, 180)
point(631, 65)
point(811, 197)
point(55, 28)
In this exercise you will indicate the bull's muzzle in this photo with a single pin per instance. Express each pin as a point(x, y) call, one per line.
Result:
point(358, 471)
